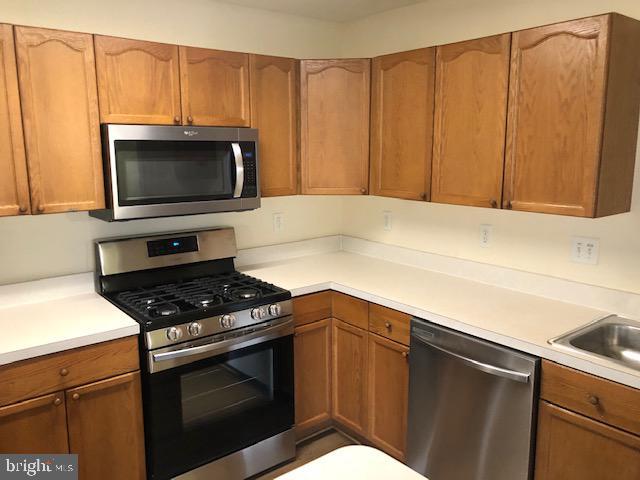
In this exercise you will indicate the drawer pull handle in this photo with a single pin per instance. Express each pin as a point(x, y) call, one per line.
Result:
point(75, 396)
point(64, 372)
point(594, 400)
point(387, 325)
point(57, 402)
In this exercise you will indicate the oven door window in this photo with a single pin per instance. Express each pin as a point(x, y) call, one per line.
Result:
point(200, 412)
point(151, 172)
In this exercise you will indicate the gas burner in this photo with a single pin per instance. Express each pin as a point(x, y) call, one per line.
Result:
point(208, 300)
point(164, 310)
point(244, 293)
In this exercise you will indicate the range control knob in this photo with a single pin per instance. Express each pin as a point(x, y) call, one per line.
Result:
point(258, 313)
point(174, 333)
point(227, 321)
point(275, 309)
point(195, 329)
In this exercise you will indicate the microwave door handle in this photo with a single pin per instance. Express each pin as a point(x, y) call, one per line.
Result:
point(237, 154)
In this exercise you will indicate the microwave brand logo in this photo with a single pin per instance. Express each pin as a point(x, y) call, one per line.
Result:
point(61, 467)
point(190, 133)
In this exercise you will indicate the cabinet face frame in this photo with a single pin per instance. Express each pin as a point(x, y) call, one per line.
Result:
point(278, 175)
point(352, 133)
point(484, 63)
point(208, 111)
point(14, 185)
point(112, 98)
point(80, 135)
point(393, 123)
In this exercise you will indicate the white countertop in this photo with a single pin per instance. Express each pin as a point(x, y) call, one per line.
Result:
point(517, 320)
point(49, 316)
point(354, 462)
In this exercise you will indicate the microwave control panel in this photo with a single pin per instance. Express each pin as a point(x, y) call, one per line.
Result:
point(249, 160)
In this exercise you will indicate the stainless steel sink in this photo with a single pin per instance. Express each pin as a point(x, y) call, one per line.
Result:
point(614, 338)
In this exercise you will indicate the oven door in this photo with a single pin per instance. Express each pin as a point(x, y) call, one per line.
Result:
point(198, 412)
point(161, 170)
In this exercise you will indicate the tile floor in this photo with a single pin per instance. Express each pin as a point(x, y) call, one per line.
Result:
point(310, 450)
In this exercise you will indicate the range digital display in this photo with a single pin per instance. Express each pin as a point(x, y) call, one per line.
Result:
point(170, 246)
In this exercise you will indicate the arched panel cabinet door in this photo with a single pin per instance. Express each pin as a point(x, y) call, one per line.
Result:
point(402, 124)
point(274, 112)
point(14, 186)
point(57, 77)
point(573, 117)
point(335, 126)
point(138, 82)
point(472, 83)
point(215, 87)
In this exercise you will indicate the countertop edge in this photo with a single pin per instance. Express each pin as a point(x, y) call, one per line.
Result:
point(548, 353)
point(68, 344)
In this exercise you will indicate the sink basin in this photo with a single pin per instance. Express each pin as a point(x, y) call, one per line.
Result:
point(614, 338)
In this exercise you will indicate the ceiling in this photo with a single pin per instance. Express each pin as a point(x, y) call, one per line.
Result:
point(331, 10)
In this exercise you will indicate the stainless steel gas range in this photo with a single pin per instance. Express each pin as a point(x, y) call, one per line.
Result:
point(216, 353)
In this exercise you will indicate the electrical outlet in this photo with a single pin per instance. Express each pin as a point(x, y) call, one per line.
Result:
point(278, 222)
point(486, 232)
point(388, 220)
point(585, 250)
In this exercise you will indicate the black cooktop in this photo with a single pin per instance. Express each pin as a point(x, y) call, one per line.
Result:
point(167, 304)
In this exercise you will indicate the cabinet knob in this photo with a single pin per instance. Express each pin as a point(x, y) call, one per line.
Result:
point(363, 191)
point(508, 205)
point(190, 119)
point(23, 209)
point(64, 372)
point(40, 209)
point(405, 354)
point(387, 325)
point(57, 401)
point(75, 396)
point(494, 203)
point(594, 400)
point(176, 119)
point(423, 196)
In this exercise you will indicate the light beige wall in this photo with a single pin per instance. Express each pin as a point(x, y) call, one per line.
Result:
point(531, 242)
point(437, 22)
point(43, 246)
point(50, 245)
point(202, 23)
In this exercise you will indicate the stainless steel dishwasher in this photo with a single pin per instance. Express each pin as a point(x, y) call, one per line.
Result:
point(472, 407)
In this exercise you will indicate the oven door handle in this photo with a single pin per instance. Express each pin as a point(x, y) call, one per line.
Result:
point(212, 349)
point(237, 155)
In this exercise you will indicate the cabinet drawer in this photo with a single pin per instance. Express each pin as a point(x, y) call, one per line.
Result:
point(309, 308)
point(350, 310)
point(389, 323)
point(59, 371)
point(600, 399)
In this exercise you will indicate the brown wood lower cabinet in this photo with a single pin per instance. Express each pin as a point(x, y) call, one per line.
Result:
point(105, 428)
point(573, 447)
point(388, 394)
point(349, 373)
point(38, 425)
point(100, 421)
point(312, 353)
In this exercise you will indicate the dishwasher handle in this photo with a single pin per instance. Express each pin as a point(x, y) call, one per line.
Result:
point(483, 367)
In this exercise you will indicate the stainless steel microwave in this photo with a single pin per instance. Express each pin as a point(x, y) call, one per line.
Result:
point(161, 171)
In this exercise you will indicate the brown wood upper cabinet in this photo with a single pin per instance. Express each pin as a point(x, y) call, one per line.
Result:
point(572, 128)
point(56, 72)
point(274, 111)
point(215, 87)
point(138, 82)
point(472, 82)
point(402, 124)
point(335, 126)
point(14, 186)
